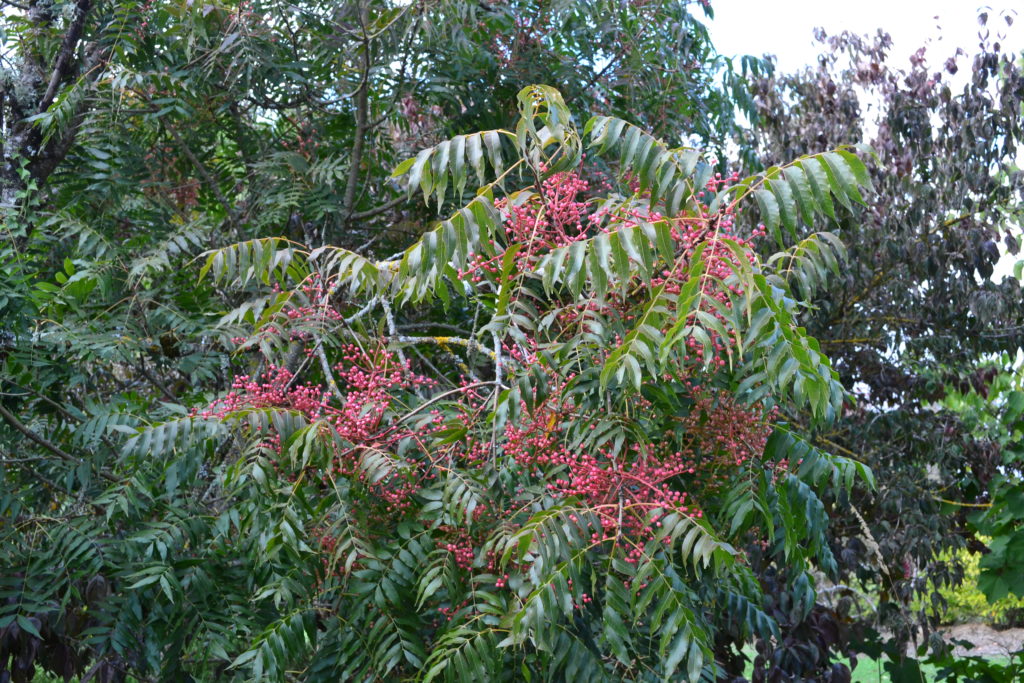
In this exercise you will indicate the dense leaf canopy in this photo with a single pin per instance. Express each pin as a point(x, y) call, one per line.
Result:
point(333, 346)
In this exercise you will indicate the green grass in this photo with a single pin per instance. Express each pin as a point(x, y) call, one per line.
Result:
point(873, 670)
point(867, 671)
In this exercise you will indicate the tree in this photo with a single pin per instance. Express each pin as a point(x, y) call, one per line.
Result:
point(530, 504)
point(151, 524)
point(232, 102)
point(918, 306)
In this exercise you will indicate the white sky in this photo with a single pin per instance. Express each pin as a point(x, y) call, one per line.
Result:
point(785, 27)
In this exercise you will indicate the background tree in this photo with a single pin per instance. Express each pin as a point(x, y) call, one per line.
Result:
point(919, 305)
point(994, 412)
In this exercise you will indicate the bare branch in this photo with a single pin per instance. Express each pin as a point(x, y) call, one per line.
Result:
point(376, 211)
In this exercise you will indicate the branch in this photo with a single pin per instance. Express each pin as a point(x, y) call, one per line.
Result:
point(423, 406)
point(156, 382)
point(599, 75)
point(93, 671)
point(362, 104)
point(67, 49)
point(65, 414)
point(859, 340)
point(370, 213)
point(432, 325)
point(210, 180)
point(497, 360)
point(30, 470)
point(328, 375)
point(470, 344)
point(12, 420)
point(392, 330)
point(965, 505)
point(58, 147)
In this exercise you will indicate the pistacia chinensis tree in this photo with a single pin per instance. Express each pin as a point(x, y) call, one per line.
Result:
point(583, 474)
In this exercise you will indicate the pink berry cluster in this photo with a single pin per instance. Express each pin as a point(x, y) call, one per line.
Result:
point(376, 406)
point(627, 491)
point(556, 216)
point(372, 381)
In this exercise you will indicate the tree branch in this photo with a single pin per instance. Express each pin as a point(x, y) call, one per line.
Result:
point(210, 180)
point(67, 50)
point(470, 344)
point(58, 147)
point(22, 464)
point(370, 213)
point(12, 420)
point(155, 382)
point(362, 105)
point(328, 375)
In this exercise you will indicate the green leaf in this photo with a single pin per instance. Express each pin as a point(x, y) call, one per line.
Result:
point(801, 190)
point(769, 212)
point(27, 626)
point(786, 203)
point(818, 181)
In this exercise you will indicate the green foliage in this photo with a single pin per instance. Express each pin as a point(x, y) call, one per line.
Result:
point(967, 603)
point(340, 553)
point(996, 416)
point(197, 197)
point(552, 542)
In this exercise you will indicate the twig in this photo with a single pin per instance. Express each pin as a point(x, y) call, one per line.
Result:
point(437, 371)
point(29, 470)
point(210, 180)
point(156, 382)
point(426, 404)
